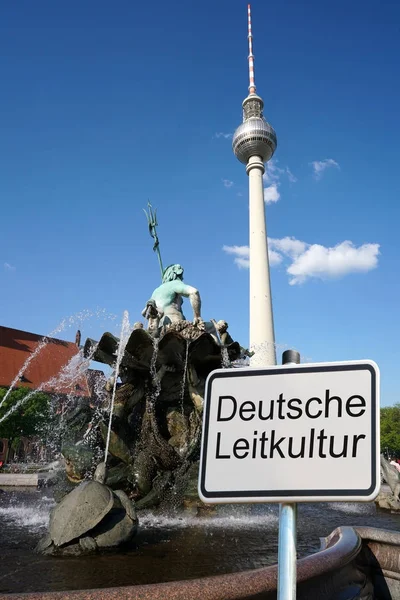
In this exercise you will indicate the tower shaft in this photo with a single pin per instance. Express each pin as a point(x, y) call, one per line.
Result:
point(254, 143)
point(262, 336)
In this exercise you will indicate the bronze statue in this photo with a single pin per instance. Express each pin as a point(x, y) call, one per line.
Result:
point(153, 316)
point(222, 328)
point(168, 297)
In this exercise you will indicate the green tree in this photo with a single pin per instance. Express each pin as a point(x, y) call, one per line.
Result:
point(390, 430)
point(28, 419)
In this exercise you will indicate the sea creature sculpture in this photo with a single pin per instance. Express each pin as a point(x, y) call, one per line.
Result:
point(153, 316)
point(222, 328)
point(90, 517)
point(78, 460)
point(392, 477)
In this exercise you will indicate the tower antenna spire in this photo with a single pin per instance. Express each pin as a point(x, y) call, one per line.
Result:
point(254, 143)
point(252, 86)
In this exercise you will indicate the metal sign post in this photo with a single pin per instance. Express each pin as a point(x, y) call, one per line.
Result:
point(288, 434)
point(287, 540)
point(287, 554)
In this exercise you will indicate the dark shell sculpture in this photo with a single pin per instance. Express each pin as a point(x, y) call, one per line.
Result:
point(80, 511)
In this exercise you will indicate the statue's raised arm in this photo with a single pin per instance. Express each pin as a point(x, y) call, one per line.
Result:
point(194, 298)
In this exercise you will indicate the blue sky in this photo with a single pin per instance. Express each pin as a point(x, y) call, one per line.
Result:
point(106, 105)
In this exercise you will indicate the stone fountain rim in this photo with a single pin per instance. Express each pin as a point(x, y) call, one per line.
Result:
point(341, 547)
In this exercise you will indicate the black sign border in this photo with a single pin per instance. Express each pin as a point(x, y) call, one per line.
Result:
point(319, 494)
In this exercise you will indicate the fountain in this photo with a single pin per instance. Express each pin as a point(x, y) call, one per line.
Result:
point(129, 489)
point(130, 483)
point(151, 425)
point(131, 479)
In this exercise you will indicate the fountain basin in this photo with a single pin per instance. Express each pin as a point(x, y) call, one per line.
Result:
point(359, 562)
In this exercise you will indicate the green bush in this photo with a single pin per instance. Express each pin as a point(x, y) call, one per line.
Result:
point(28, 419)
point(390, 430)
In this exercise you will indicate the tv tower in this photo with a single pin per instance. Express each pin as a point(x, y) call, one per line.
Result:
point(254, 142)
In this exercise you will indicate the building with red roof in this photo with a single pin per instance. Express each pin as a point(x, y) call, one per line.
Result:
point(17, 348)
point(36, 361)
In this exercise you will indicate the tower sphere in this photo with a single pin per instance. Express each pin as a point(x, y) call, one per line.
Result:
point(254, 137)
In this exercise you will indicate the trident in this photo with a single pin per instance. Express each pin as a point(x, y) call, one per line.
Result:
point(151, 216)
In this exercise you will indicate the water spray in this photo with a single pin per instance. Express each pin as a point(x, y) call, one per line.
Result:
point(125, 332)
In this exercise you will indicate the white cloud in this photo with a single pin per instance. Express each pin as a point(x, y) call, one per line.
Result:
point(288, 245)
point(274, 257)
point(271, 194)
point(242, 251)
point(292, 178)
point(221, 134)
point(319, 166)
point(241, 256)
point(272, 177)
point(322, 263)
point(9, 267)
point(227, 183)
point(307, 261)
point(242, 263)
point(272, 171)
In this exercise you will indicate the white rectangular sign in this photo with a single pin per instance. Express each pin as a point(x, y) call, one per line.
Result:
point(301, 433)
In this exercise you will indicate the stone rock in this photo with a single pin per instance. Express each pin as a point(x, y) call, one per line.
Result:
point(87, 544)
point(80, 512)
point(44, 544)
point(119, 527)
point(89, 518)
